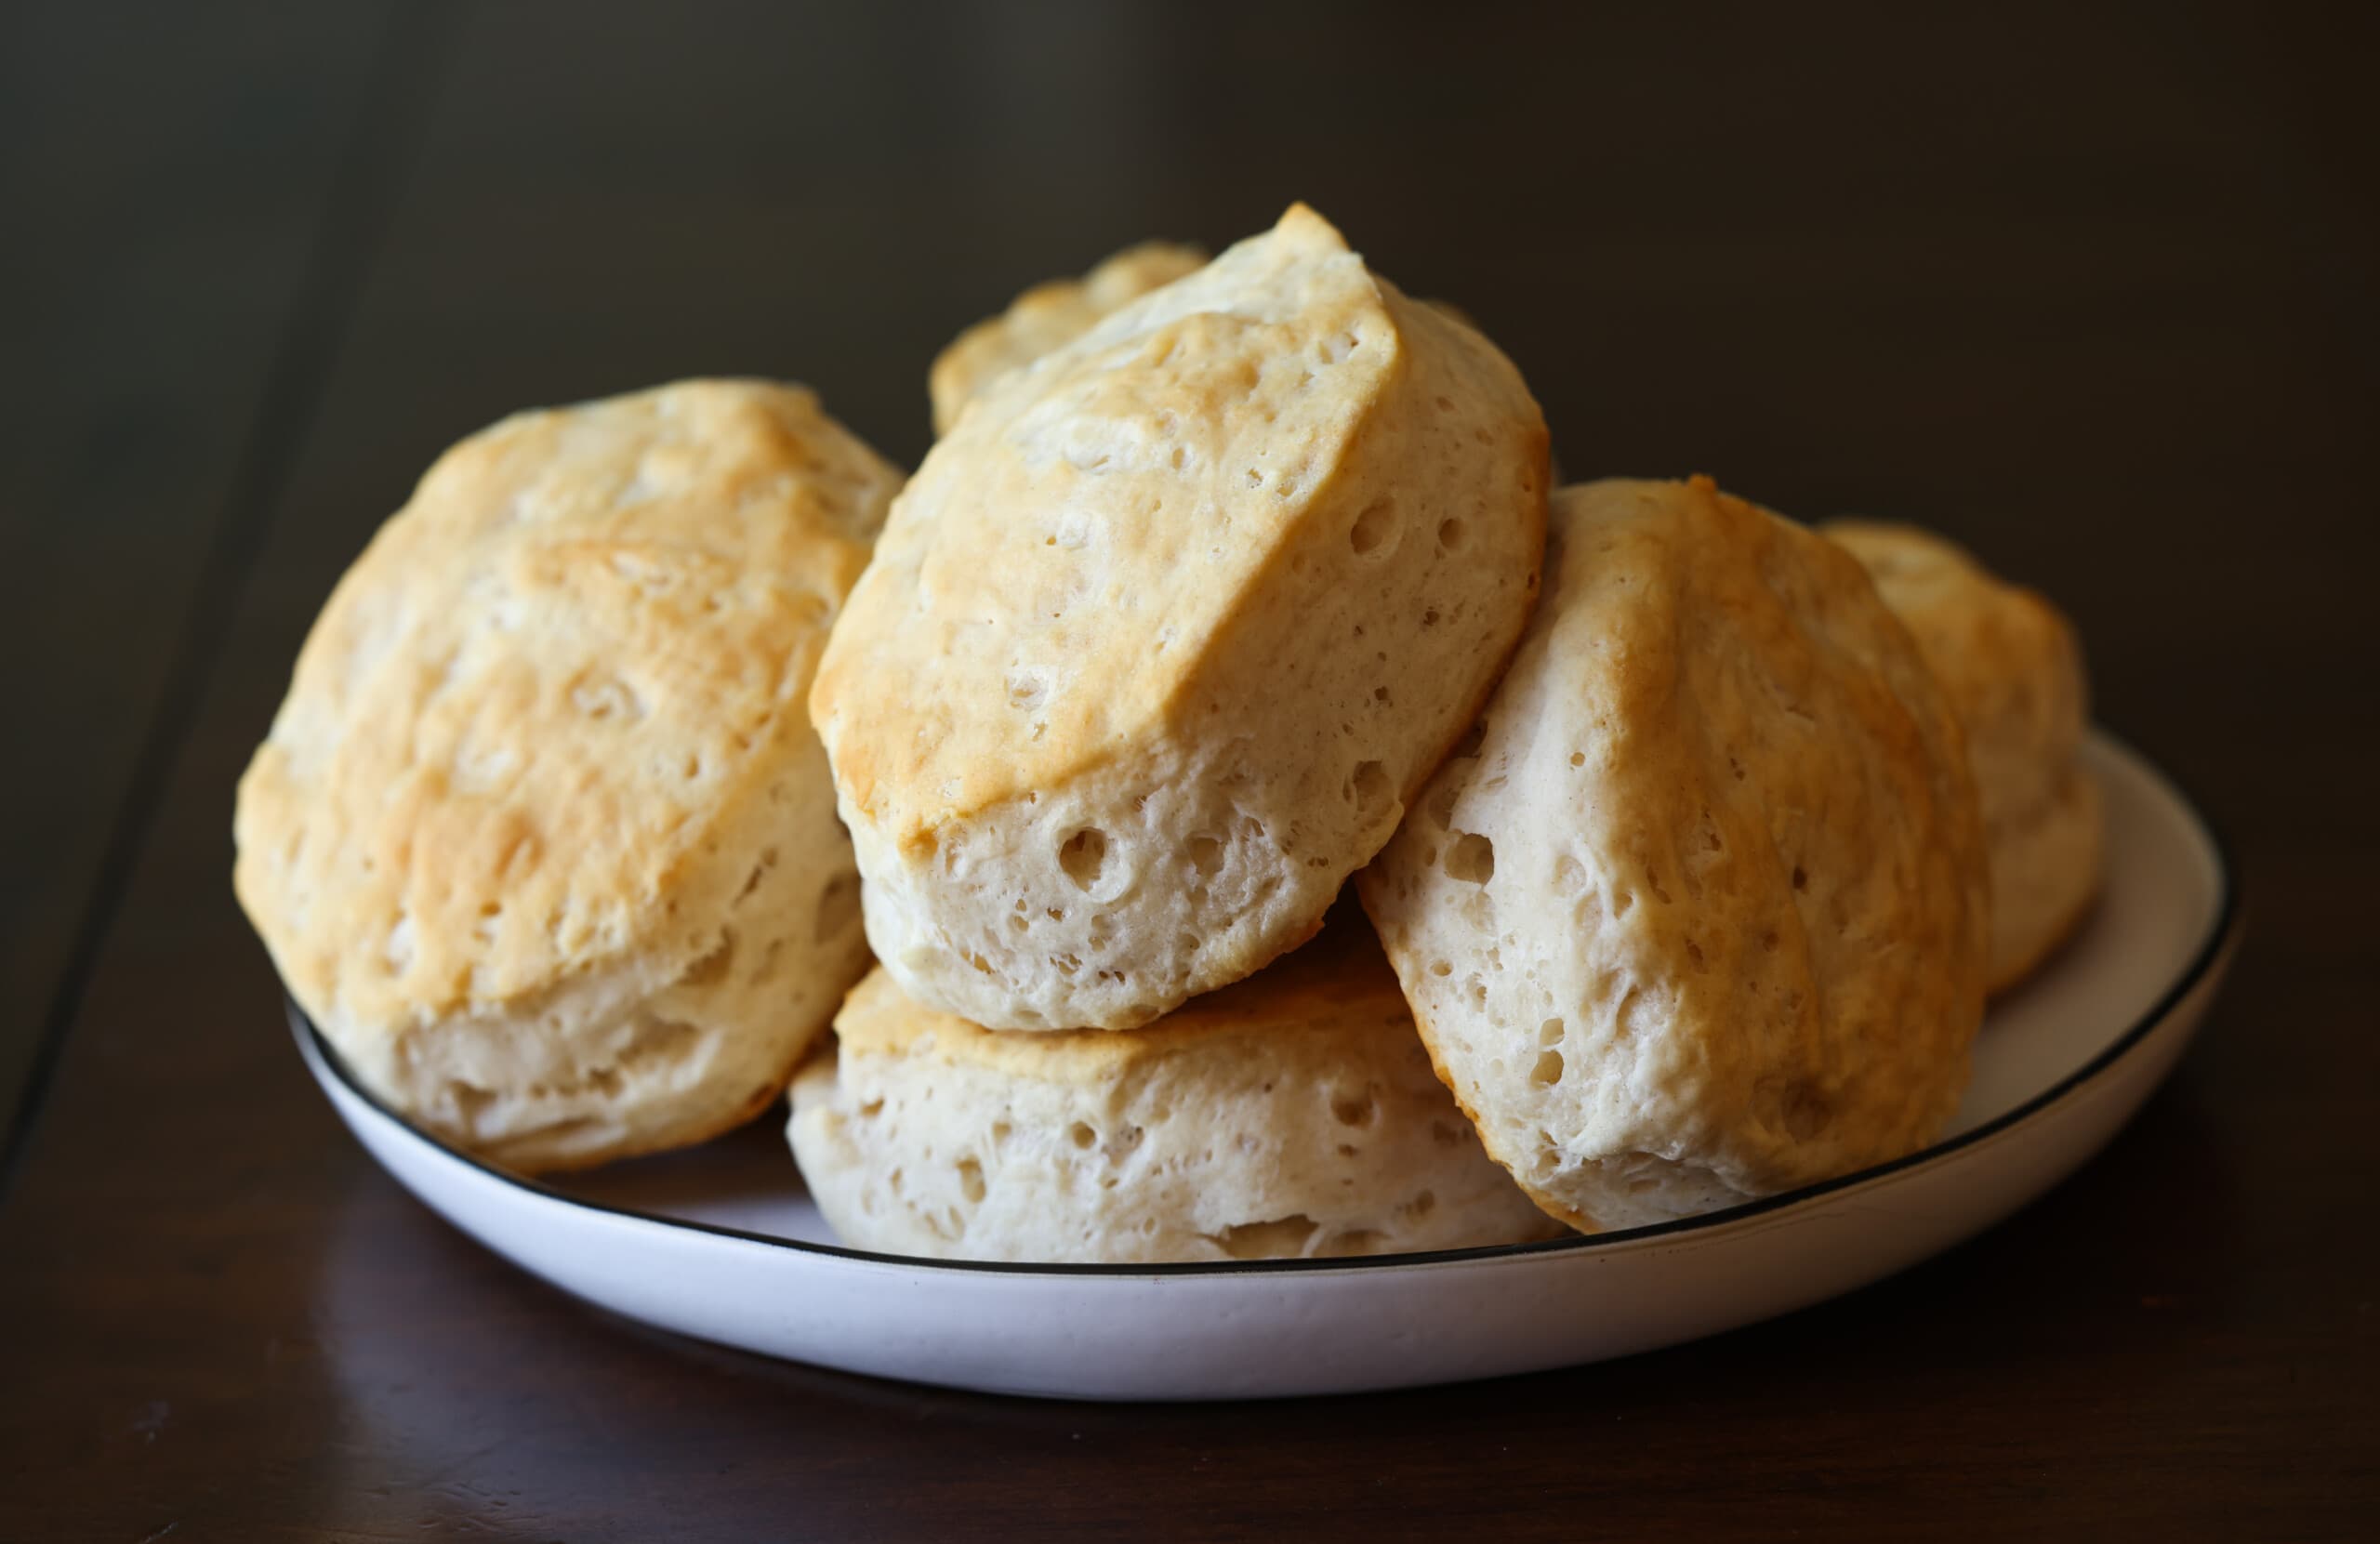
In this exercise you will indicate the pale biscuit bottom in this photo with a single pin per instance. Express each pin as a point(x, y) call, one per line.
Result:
point(1249, 1132)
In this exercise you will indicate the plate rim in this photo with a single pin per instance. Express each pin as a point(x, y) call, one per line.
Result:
point(2206, 962)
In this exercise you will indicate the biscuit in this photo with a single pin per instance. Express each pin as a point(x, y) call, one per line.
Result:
point(1047, 316)
point(2011, 668)
point(1165, 632)
point(541, 838)
point(1701, 916)
point(1294, 1114)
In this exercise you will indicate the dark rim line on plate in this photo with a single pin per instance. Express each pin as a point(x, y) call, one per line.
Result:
point(2219, 936)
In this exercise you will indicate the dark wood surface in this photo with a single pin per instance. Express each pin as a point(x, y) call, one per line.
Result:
point(2091, 289)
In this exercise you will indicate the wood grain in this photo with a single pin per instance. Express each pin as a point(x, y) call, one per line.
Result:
point(171, 183)
point(2090, 290)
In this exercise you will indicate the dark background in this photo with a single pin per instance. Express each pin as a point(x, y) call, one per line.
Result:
point(2091, 289)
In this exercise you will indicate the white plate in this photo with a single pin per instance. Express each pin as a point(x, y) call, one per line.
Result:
point(720, 1242)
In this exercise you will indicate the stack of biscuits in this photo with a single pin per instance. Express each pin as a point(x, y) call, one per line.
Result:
point(1227, 804)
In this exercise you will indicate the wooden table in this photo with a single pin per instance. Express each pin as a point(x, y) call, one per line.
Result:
point(2093, 291)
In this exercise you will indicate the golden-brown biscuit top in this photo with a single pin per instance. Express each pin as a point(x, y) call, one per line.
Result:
point(576, 654)
point(1048, 584)
point(2008, 661)
point(1045, 317)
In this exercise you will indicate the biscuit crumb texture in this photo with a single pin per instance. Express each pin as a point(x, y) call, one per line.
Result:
point(2011, 668)
point(1165, 633)
point(1701, 914)
point(1045, 317)
point(541, 838)
point(1292, 1115)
